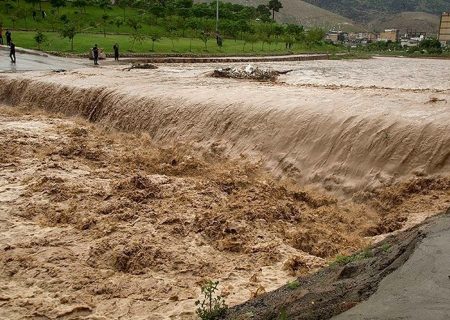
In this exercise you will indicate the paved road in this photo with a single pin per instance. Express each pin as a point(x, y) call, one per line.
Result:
point(420, 289)
point(33, 62)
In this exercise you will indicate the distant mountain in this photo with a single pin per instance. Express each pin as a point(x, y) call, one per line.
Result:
point(413, 21)
point(359, 15)
point(301, 12)
point(367, 10)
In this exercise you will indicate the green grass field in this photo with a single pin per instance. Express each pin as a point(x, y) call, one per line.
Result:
point(92, 18)
point(83, 42)
point(24, 28)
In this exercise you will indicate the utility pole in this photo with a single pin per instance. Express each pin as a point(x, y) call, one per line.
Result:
point(217, 16)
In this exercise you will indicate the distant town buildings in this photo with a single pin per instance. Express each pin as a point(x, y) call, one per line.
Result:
point(362, 38)
point(390, 35)
point(444, 29)
point(411, 38)
point(336, 37)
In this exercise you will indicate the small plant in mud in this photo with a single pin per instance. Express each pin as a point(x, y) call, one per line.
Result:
point(282, 315)
point(343, 260)
point(293, 284)
point(212, 306)
point(386, 247)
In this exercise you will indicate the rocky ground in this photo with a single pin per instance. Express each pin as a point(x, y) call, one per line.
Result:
point(99, 224)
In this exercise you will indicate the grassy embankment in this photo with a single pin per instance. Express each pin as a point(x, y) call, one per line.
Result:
point(84, 41)
point(95, 30)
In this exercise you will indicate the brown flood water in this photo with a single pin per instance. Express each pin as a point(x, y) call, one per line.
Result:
point(247, 183)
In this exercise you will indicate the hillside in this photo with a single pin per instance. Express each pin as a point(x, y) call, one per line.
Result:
point(304, 13)
point(416, 21)
point(367, 10)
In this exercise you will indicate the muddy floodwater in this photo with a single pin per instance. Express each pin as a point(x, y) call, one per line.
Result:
point(122, 191)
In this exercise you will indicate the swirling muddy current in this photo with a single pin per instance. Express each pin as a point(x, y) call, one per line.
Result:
point(121, 192)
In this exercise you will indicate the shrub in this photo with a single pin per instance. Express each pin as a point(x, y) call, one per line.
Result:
point(293, 284)
point(343, 260)
point(212, 306)
point(40, 38)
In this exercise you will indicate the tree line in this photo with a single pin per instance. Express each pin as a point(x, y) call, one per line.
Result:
point(155, 19)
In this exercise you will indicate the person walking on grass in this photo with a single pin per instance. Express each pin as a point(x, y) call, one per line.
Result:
point(12, 52)
point(8, 37)
point(95, 54)
point(116, 52)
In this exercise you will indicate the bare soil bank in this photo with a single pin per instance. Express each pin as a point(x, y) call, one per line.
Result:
point(341, 286)
point(98, 224)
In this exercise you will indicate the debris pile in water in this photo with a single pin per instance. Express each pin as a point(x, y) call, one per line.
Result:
point(141, 66)
point(248, 72)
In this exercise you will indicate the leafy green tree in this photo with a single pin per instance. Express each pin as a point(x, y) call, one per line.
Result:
point(53, 19)
point(230, 28)
point(64, 19)
point(247, 13)
point(263, 12)
point(264, 38)
point(315, 35)
point(118, 22)
point(40, 39)
point(58, 4)
point(289, 40)
point(183, 8)
point(296, 31)
point(9, 6)
point(251, 38)
point(275, 6)
point(243, 26)
point(69, 31)
point(104, 5)
point(136, 35)
point(173, 24)
point(34, 2)
point(155, 36)
point(81, 4)
point(204, 37)
point(134, 24)
point(431, 46)
point(124, 4)
point(191, 34)
point(105, 19)
point(22, 14)
point(13, 17)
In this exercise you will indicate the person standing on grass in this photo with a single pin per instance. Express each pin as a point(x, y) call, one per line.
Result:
point(12, 52)
point(116, 52)
point(1, 35)
point(95, 54)
point(8, 37)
